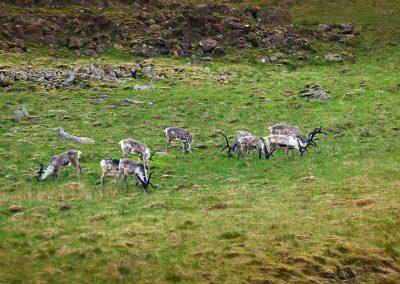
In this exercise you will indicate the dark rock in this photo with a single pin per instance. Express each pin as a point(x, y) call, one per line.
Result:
point(252, 11)
point(5, 82)
point(274, 16)
point(4, 46)
point(218, 51)
point(208, 45)
point(145, 50)
point(346, 273)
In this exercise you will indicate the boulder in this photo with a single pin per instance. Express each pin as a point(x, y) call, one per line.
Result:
point(208, 45)
point(333, 57)
point(145, 50)
point(274, 16)
point(315, 92)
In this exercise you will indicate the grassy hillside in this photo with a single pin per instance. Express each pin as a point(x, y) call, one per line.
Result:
point(314, 218)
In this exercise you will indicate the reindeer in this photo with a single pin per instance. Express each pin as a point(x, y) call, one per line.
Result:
point(128, 167)
point(176, 133)
point(139, 149)
point(69, 158)
point(108, 166)
point(231, 149)
point(289, 142)
point(286, 129)
point(248, 143)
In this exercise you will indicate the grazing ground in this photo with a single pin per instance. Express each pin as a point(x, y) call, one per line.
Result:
point(332, 214)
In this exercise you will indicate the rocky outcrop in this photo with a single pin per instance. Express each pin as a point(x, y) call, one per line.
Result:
point(156, 28)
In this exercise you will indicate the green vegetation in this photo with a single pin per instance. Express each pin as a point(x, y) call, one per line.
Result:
point(212, 218)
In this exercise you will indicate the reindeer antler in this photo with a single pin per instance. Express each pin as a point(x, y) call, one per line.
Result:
point(151, 156)
point(227, 141)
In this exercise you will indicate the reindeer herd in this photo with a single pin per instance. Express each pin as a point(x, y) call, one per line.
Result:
point(283, 136)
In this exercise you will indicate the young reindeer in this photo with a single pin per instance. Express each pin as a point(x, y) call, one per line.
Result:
point(231, 149)
point(139, 149)
point(180, 134)
point(128, 167)
point(68, 158)
point(248, 143)
point(108, 166)
point(289, 142)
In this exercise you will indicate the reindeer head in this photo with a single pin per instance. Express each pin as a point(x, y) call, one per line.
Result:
point(145, 182)
point(302, 148)
point(40, 172)
point(230, 150)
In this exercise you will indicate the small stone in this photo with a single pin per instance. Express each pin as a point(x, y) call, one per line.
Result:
point(132, 101)
point(333, 57)
point(269, 59)
point(22, 112)
point(142, 87)
point(315, 92)
point(14, 129)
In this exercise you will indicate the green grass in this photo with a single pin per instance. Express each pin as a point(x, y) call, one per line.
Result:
point(211, 218)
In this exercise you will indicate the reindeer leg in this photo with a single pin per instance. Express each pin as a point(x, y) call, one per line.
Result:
point(168, 144)
point(55, 174)
point(126, 182)
point(116, 180)
point(100, 181)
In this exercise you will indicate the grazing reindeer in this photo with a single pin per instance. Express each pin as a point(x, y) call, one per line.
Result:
point(286, 129)
point(176, 133)
point(248, 143)
point(108, 166)
point(289, 142)
point(231, 149)
point(139, 149)
point(69, 158)
point(128, 167)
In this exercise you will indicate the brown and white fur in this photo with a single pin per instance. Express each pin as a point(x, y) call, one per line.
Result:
point(231, 149)
point(286, 129)
point(108, 166)
point(68, 158)
point(180, 134)
point(128, 168)
point(289, 142)
point(248, 143)
point(134, 147)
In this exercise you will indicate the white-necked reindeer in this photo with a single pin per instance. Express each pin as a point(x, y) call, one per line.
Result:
point(245, 142)
point(108, 166)
point(286, 129)
point(128, 168)
point(248, 143)
point(139, 149)
point(68, 158)
point(231, 149)
point(180, 134)
point(290, 142)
